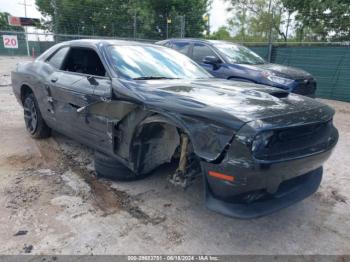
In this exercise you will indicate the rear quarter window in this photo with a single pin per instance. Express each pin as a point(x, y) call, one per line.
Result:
point(168, 44)
point(57, 58)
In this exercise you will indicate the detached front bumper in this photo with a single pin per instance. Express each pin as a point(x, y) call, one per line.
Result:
point(286, 196)
point(250, 188)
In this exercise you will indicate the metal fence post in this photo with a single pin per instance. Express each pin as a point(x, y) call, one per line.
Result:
point(134, 25)
point(167, 28)
point(25, 27)
point(27, 43)
point(270, 33)
point(182, 26)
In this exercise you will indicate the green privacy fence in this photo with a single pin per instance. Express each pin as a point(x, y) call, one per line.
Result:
point(330, 65)
point(328, 62)
point(34, 46)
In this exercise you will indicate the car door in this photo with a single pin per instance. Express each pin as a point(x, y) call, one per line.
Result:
point(80, 82)
point(199, 52)
point(48, 71)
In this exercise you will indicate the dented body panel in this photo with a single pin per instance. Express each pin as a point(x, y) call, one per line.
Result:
point(140, 123)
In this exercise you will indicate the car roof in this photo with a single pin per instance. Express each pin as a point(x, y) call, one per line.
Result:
point(103, 42)
point(92, 43)
point(197, 40)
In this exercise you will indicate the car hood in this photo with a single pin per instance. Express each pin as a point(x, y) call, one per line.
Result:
point(228, 102)
point(284, 71)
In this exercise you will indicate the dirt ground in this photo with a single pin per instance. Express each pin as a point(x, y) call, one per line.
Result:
point(51, 203)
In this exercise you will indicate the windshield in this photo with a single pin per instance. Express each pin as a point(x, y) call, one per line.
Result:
point(237, 54)
point(154, 62)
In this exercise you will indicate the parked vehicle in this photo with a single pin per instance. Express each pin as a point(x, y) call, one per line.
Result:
point(140, 106)
point(235, 62)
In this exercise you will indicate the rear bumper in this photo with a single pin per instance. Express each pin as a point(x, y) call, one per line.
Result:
point(260, 189)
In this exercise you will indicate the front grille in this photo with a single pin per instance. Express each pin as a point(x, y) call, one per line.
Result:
point(298, 141)
point(305, 87)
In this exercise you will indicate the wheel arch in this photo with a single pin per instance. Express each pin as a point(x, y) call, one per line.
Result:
point(24, 91)
point(208, 138)
point(154, 142)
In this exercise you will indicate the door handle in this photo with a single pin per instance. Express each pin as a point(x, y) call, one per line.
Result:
point(54, 79)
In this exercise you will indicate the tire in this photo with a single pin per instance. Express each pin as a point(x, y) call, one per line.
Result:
point(109, 167)
point(33, 119)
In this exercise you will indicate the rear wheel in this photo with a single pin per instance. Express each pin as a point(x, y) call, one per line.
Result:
point(109, 167)
point(33, 119)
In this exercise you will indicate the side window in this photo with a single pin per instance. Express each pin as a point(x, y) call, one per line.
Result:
point(168, 44)
point(200, 51)
point(85, 61)
point(57, 58)
point(182, 47)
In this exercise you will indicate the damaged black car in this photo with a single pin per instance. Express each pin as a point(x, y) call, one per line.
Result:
point(139, 106)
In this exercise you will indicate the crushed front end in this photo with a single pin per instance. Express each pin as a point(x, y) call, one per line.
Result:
point(271, 164)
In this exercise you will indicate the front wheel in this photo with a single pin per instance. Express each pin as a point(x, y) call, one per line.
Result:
point(109, 167)
point(33, 119)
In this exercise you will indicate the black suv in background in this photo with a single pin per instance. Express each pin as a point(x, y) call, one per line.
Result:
point(232, 61)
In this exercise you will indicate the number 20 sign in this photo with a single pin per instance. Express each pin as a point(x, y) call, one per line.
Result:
point(10, 41)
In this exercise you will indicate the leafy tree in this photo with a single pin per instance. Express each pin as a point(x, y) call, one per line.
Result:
point(192, 11)
point(321, 19)
point(119, 17)
point(313, 20)
point(240, 23)
point(87, 17)
point(221, 34)
point(252, 19)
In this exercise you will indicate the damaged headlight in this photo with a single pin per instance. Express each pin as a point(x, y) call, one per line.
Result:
point(277, 79)
point(261, 140)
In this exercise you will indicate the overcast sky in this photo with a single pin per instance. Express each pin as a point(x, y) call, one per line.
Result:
point(218, 14)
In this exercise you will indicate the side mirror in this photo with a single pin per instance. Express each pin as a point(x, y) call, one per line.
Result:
point(212, 60)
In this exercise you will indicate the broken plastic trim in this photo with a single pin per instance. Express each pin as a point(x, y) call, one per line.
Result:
point(223, 153)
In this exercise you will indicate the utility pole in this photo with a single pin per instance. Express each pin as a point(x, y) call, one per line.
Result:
point(182, 26)
point(55, 21)
point(168, 21)
point(135, 24)
point(270, 33)
point(206, 19)
point(25, 27)
point(288, 23)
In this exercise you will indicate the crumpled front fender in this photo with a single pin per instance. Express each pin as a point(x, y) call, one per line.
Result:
point(209, 140)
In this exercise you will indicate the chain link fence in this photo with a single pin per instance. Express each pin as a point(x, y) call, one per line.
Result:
point(39, 42)
point(328, 62)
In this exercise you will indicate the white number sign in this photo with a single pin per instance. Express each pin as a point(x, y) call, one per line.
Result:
point(10, 41)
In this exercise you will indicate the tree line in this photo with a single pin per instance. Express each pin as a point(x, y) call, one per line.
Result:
point(288, 20)
point(250, 20)
point(149, 19)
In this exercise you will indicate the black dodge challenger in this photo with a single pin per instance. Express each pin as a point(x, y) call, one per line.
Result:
point(140, 106)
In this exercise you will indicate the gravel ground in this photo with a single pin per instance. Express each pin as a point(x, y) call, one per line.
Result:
point(51, 203)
